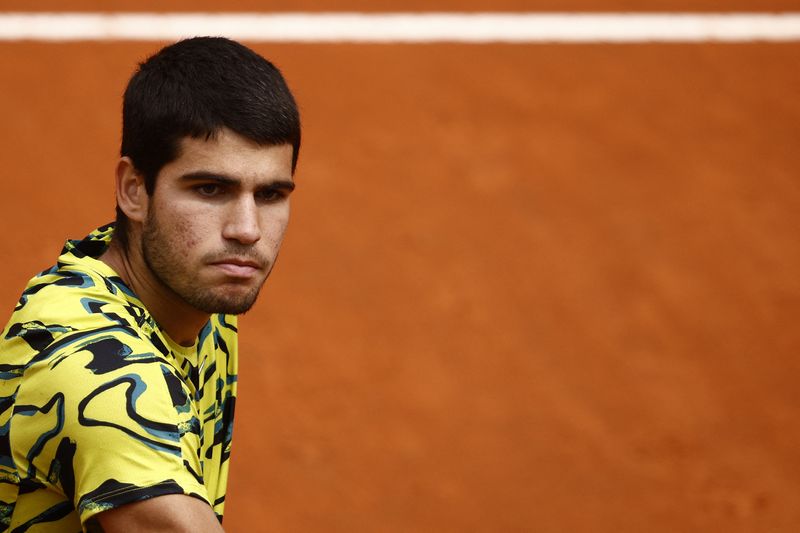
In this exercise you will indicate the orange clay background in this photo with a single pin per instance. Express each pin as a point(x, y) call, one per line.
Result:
point(526, 288)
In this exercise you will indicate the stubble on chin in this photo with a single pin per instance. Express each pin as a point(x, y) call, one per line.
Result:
point(208, 302)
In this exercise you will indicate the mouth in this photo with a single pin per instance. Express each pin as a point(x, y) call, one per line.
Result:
point(238, 267)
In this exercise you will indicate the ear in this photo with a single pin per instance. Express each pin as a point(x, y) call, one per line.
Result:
point(132, 197)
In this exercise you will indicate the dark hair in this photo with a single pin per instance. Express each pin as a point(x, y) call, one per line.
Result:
point(195, 88)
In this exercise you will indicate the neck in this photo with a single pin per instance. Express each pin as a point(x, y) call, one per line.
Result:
point(181, 321)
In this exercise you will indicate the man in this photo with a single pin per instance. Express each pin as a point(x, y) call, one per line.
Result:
point(118, 366)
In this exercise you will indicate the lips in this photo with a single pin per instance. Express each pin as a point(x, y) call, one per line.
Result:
point(237, 267)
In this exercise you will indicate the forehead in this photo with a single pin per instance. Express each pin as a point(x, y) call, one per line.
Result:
point(230, 154)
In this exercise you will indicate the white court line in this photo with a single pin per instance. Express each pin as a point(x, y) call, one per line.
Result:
point(405, 27)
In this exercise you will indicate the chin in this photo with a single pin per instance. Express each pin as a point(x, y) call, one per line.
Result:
point(227, 301)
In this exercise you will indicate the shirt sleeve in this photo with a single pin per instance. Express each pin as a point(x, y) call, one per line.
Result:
point(107, 421)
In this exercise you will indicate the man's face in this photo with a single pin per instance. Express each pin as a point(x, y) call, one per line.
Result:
point(216, 220)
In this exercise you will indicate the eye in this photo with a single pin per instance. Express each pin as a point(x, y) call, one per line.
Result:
point(208, 189)
point(270, 195)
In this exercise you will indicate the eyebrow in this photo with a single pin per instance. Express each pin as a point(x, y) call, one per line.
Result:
point(223, 179)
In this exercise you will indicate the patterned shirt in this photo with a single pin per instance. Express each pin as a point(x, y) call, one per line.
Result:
point(99, 407)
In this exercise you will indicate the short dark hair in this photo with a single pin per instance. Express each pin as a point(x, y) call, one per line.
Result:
point(194, 88)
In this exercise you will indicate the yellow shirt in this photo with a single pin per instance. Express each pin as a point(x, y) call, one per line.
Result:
point(99, 407)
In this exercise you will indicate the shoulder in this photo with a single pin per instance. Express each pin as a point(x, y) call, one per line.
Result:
point(75, 298)
point(64, 308)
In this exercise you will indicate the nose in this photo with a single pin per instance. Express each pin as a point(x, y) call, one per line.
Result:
point(242, 223)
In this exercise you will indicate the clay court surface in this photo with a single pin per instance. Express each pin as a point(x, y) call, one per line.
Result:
point(526, 288)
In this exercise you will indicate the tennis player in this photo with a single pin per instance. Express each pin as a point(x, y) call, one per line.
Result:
point(118, 367)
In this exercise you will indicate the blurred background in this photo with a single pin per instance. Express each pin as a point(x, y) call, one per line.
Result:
point(529, 287)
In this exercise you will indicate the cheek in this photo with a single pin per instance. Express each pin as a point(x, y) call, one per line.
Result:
point(187, 231)
point(279, 230)
point(275, 224)
point(185, 226)
point(184, 236)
